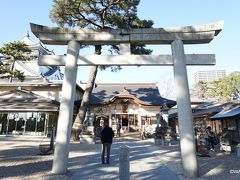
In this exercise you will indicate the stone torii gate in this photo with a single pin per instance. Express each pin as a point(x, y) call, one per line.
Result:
point(176, 37)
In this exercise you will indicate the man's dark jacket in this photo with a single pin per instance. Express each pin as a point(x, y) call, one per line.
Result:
point(107, 135)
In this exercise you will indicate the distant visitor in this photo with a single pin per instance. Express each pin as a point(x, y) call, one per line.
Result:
point(107, 135)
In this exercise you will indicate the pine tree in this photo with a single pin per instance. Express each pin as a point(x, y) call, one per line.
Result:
point(97, 15)
point(12, 52)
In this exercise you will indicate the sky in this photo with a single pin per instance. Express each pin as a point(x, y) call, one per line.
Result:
point(16, 16)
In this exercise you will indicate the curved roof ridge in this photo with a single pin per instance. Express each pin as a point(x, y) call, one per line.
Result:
point(28, 40)
point(31, 43)
point(50, 72)
point(27, 68)
point(128, 96)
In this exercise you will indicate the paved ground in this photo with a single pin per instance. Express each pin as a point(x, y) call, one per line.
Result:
point(145, 163)
point(20, 159)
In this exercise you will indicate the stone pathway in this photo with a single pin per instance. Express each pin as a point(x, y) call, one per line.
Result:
point(144, 163)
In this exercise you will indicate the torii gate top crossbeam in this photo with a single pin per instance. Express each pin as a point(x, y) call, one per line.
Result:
point(197, 34)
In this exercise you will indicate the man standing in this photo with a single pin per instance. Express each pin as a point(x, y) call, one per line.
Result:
point(107, 135)
point(210, 138)
point(119, 126)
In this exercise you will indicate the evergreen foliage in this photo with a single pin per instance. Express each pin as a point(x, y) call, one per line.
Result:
point(101, 14)
point(13, 51)
point(227, 88)
point(98, 15)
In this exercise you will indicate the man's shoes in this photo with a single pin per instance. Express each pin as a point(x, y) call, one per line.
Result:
point(103, 162)
point(212, 149)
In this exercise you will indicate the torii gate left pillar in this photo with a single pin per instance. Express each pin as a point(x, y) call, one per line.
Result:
point(66, 111)
point(175, 36)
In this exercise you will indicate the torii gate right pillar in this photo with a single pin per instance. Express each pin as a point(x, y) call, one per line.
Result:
point(187, 142)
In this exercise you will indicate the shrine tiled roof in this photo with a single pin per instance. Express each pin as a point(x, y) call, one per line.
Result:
point(144, 93)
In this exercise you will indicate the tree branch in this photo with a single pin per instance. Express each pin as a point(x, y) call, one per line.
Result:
point(86, 19)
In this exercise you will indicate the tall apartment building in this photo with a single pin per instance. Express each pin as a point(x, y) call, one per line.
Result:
point(209, 76)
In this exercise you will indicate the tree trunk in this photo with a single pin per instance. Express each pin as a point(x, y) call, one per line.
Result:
point(79, 120)
point(12, 68)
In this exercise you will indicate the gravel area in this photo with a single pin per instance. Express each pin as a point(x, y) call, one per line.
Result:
point(20, 158)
